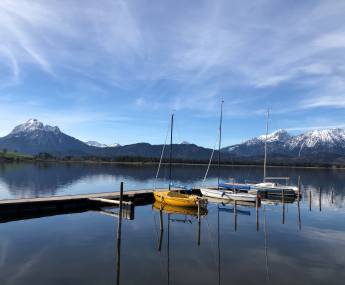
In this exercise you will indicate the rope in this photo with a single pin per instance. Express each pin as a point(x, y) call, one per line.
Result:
point(209, 163)
point(161, 158)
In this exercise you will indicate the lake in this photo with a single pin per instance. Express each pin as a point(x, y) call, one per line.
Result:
point(290, 245)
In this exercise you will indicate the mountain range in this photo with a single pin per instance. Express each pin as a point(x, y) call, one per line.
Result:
point(326, 145)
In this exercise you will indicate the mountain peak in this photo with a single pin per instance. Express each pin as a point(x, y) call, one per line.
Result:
point(33, 125)
point(278, 135)
point(97, 144)
point(328, 137)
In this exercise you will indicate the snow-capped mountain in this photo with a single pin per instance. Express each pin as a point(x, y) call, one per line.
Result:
point(34, 137)
point(282, 143)
point(102, 145)
point(33, 125)
point(325, 146)
point(114, 145)
point(96, 144)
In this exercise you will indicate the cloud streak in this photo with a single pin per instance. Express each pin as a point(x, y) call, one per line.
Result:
point(175, 55)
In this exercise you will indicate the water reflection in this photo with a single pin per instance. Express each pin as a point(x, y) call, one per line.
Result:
point(171, 245)
point(46, 179)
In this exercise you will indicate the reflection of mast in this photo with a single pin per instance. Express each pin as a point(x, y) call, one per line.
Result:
point(168, 249)
point(218, 235)
point(118, 248)
point(266, 246)
point(235, 215)
point(199, 224)
point(161, 230)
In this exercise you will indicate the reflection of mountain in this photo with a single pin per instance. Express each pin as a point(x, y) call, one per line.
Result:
point(45, 179)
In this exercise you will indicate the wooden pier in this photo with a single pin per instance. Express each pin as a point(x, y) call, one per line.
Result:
point(28, 208)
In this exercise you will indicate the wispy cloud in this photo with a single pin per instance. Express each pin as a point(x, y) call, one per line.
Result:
point(173, 55)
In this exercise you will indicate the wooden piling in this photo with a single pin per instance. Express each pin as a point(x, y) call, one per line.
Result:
point(299, 187)
point(257, 212)
point(332, 197)
point(199, 222)
point(119, 225)
point(283, 207)
point(299, 215)
point(310, 200)
point(320, 199)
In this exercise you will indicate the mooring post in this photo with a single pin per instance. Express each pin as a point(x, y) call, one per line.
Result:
point(199, 221)
point(332, 197)
point(198, 210)
point(283, 208)
point(119, 224)
point(299, 187)
point(320, 199)
point(310, 200)
point(299, 214)
point(257, 211)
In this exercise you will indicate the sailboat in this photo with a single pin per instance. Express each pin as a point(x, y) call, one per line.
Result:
point(220, 192)
point(271, 188)
point(174, 197)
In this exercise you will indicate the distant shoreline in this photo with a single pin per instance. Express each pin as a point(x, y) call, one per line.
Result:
point(141, 163)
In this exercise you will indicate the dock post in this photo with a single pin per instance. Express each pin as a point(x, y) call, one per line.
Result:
point(299, 187)
point(199, 222)
point(119, 225)
point(299, 215)
point(310, 200)
point(283, 207)
point(332, 197)
point(257, 212)
point(320, 199)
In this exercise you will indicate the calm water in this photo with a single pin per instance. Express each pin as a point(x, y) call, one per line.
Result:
point(81, 248)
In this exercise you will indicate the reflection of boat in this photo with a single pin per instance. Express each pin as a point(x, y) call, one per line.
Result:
point(275, 200)
point(232, 210)
point(168, 209)
point(230, 202)
point(174, 198)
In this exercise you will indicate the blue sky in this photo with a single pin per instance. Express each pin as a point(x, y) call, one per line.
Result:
point(113, 71)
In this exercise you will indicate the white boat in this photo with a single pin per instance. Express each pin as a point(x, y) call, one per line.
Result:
point(227, 195)
point(271, 188)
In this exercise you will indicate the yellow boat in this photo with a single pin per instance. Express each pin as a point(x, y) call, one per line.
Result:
point(174, 198)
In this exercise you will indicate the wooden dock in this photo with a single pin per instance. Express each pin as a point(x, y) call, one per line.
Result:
point(27, 208)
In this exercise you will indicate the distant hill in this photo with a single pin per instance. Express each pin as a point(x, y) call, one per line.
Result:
point(33, 137)
point(325, 146)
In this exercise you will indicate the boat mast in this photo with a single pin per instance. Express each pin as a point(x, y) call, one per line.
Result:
point(220, 138)
point(265, 159)
point(171, 147)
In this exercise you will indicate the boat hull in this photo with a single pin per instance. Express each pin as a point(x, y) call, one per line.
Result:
point(227, 195)
point(173, 198)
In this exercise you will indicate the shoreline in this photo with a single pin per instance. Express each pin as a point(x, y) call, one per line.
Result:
point(141, 163)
